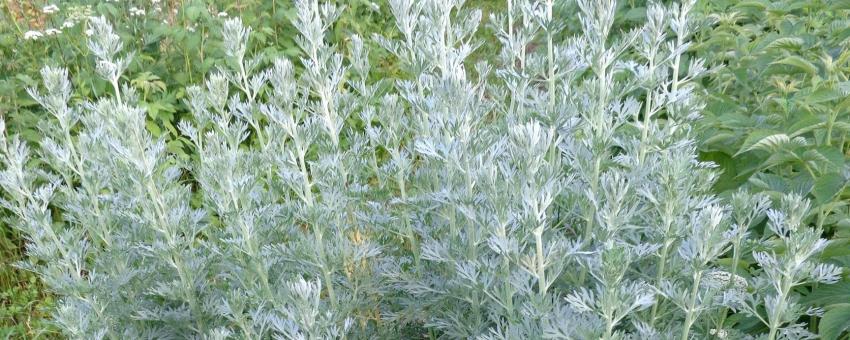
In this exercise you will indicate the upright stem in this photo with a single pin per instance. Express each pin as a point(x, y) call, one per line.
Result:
point(308, 188)
point(117, 90)
point(779, 309)
point(414, 243)
point(665, 251)
point(690, 314)
point(541, 268)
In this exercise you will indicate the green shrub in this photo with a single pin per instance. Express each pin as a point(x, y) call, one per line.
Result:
point(776, 119)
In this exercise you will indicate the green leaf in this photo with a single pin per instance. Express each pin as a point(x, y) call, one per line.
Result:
point(823, 95)
point(804, 123)
point(153, 129)
point(772, 142)
point(827, 186)
point(786, 43)
point(754, 137)
point(834, 322)
point(798, 63)
point(719, 138)
point(825, 295)
point(833, 155)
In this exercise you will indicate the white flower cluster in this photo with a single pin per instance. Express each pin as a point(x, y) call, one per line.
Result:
point(136, 12)
point(33, 35)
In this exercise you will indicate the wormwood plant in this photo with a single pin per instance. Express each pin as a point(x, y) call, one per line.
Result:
point(553, 194)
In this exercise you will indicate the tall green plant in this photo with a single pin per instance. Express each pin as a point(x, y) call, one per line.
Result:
point(777, 111)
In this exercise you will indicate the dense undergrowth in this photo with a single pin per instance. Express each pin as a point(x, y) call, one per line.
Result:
point(538, 169)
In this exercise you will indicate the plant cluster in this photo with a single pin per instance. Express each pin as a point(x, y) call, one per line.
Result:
point(776, 119)
point(553, 192)
point(174, 43)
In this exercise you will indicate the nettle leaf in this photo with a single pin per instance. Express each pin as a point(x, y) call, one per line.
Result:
point(798, 63)
point(827, 186)
point(833, 155)
point(770, 182)
point(754, 137)
point(834, 322)
point(773, 143)
point(837, 248)
point(804, 124)
point(786, 43)
point(822, 95)
point(721, 138)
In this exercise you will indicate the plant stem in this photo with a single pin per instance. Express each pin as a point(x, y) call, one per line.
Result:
point(690, 314)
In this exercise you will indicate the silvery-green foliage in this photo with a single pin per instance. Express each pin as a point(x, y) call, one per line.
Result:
point(553, 193)
point(782, 271)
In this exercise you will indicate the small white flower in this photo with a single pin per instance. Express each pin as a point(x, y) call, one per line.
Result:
point(68, 24)
point(89, 32)
point(50, 9)
point(52, 31)
point(222, 14)
point(136, 12)
point(33, 35)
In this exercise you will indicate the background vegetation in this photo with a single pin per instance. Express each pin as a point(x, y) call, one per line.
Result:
point(776, 121)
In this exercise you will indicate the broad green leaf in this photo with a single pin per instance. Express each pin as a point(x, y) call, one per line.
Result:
point(827, 186)
point(825, 295)
point(823, 95)
point(778, 158)
point(720, 137)
point(771, 143)
point(754, 137)
point(786, 43)
point(837, 247)
point(834, 322)
point(769, 182)
point(798, 63)
point(833, 155)
point(804, 124)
